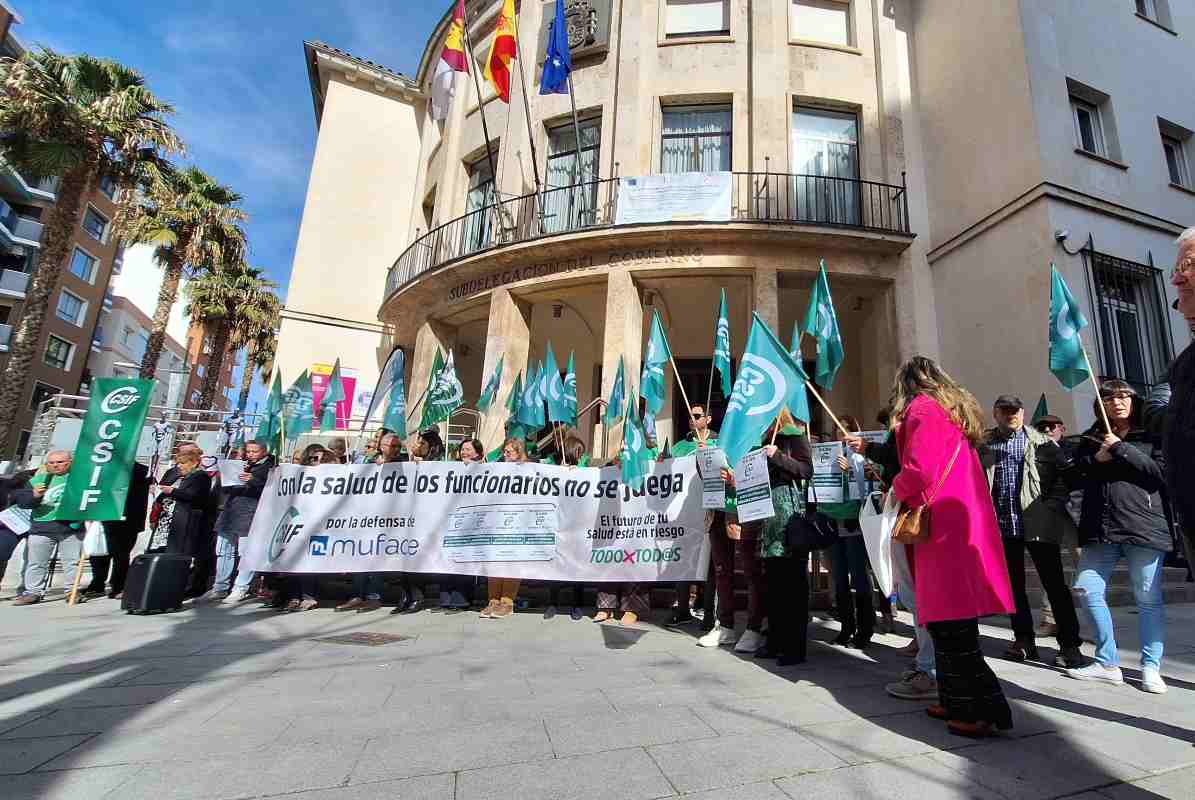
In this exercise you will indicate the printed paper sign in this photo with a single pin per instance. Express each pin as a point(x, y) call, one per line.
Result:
point(753, 489)
point(710, 463)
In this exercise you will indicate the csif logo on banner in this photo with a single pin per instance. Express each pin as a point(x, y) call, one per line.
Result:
point(107, 445)
point(120, 400)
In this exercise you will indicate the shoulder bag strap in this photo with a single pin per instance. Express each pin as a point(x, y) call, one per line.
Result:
point(945, 473)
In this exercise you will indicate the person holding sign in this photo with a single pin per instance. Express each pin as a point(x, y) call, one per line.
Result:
point(504, 591)
point(701, 435)
point(42, 497)
point(848, 555)
point(186, 490)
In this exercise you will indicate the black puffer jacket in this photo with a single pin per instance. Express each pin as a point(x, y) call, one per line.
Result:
point(1122, 498)
point(240, 503)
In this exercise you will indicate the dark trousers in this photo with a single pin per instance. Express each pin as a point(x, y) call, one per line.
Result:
point(578, 593)
point(121, 540)
point(849, 566)
point(967, 687)
point(1047, 558)
point(788, 603)
point(725, 551)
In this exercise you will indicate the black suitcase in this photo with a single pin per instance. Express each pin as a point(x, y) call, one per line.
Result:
point(156, 582)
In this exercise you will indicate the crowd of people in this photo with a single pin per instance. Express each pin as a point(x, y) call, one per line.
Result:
point(986, 495)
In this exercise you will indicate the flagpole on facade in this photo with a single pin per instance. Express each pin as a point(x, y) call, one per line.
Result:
point(485, 130)
point(527, 112)
point(572, 99)
point(1091, 372)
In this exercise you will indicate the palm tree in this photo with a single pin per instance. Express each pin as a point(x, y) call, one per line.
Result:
point(79, 118)
point(259, 358)
point(194, 221)
point(239, 302)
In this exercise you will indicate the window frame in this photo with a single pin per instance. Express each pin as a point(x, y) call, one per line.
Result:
point(851, 45)
point(95, 265)
point(1099, 139)
point(103, 237)
point(712, 107)
point(696, 37)
point(80, 315)
point(33, 394)
point(1181, 163)
point(106, 182)
point(65, 366)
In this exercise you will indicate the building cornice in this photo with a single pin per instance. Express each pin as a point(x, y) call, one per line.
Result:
point(378, 78)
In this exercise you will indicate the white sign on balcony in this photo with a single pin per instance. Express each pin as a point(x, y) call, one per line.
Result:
point(680, 197)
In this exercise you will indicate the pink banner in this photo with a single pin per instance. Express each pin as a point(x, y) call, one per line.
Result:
point(321, 375)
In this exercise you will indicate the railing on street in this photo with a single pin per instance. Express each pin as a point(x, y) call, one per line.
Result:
point(762, 197)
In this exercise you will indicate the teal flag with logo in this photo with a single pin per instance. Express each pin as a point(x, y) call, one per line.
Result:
point(651, 382)
point(513, 403)
point(98, 482)
point(769, 380)
point(395, 418)
point(634, 457)
point(446, 394)
point(531, 412)
point(570, 391)
point(269, 429)
point(332, 395)
point(490, 391)
point(618, 396)
point(553, 386)
point(298, 415)
point(722, 346)
point(425, 419)
point(822, 324)
point(1068, 362)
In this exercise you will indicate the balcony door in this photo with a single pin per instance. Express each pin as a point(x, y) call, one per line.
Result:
point(479, 208)
point(569, 200)
point(826, 166)
point(696, 139)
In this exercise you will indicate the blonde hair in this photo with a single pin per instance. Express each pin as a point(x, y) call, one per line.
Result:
point(518, 445)
point(782, 421)
point(922, 376)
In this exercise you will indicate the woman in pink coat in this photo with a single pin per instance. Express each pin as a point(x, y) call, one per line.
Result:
point(959, 573)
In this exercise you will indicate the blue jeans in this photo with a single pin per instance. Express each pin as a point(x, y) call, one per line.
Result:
point(927, 655)
point(367, 585)
point(227, 545)
point(1145, 573)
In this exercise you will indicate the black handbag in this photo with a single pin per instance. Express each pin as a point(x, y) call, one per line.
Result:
point(810, 531)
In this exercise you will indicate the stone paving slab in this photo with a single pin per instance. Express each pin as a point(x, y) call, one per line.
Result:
point(235, 702)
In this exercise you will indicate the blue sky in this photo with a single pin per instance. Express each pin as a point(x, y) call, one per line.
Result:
point(235, 74)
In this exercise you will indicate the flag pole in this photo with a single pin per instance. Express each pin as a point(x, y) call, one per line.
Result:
point(681, 385)
point(527, 109)
point(1091, 372)
point(485, 131)
point(809, 385)
point(572, 99)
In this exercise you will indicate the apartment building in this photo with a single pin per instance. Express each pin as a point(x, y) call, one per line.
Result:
point(199, 354)
point(122, 335)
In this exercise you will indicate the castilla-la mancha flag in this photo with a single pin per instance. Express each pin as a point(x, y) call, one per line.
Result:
point(452, 60)
point(502, 52)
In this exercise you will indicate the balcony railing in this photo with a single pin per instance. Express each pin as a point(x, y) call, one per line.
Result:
point(13, 283)
point(761, 197)
point(18, 227)
point(5, 337)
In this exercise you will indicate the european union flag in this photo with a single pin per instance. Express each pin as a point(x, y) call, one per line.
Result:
point(559, 62)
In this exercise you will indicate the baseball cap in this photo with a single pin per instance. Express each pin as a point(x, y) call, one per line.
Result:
point(1047, 419)
point(1008, 401)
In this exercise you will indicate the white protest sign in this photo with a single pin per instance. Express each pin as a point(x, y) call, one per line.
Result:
point(753, 489)
point(509, 520)
point(710, 463)
point(17, 520)
point(230, 472)
point(826, 485)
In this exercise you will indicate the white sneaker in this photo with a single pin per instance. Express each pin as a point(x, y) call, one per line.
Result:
point(749, 642)
point(1095, 671)
point(718, 637)
point(1151, 680)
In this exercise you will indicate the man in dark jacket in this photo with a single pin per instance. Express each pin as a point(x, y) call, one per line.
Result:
point(41, 496)
point(121, 535)
point(240, 504)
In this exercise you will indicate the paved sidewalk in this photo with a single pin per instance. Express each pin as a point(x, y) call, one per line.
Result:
point(220, 703)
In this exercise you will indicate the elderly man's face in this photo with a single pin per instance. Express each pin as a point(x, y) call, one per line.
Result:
point(390, 447)
point(1008, 418)
point(1184, 280)
point(58, 463)
point(254, 453)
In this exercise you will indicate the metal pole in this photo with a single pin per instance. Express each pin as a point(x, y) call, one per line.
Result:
point(572, 99)
point(527, 111)
point(485, 130)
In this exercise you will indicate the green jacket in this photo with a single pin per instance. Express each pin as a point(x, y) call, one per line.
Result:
point(1043, 493)
point(688, 445)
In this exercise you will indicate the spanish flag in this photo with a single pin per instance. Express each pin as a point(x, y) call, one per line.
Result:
point(502, 51)
point(452, 60)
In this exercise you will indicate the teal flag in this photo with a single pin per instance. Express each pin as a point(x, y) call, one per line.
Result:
point(651, 382)
point(395, 418)
point(332, 395)
point(618, 396)
point(634, 458)
point(553, 386)
point(794, 349)
point(490, 391)
point(1068, 362)
point(425, 419)
point(270, 427)
point(98, 483)
point(822, 324)
point(570, 391)
point(1041, 410)
point(298, 416)
point(722, 346)
point(446, 394)
point(513, 403)
point(769, 380)
point(531, 412)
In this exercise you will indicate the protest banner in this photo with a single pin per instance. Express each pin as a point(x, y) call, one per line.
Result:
point(509, 520)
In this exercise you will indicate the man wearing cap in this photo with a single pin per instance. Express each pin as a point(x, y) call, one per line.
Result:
point(1021, 466)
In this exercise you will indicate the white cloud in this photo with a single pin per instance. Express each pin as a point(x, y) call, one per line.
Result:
point(140, 281)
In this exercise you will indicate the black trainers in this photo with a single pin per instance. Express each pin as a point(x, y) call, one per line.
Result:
point(679, 619)
point(1069, 658)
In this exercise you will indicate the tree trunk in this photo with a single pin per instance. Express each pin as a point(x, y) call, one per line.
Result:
point(215, 362)
point(27, 341)
point(247, 380)
point(167, 295)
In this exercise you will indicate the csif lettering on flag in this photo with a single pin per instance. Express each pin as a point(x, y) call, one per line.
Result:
point(769, 380)
point(269, 430)
point(531, 412)
point(553, 386)
point(437, 365)
point(1068, 361)
point(298, 415)
point(651, 382)
point(722, 346)
point(98, 483)
point(634, 459)
point(490, 391)
point(446, 394)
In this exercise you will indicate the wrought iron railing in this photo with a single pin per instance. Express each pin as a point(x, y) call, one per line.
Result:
point(768, 197)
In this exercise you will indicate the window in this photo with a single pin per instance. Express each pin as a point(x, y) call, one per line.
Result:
point(58, 353)
point(826, 166)
point(1095, 128)
point(1088, 127)
point(108, 187)
point(207, 345)
point(696, 18)
point(696, 139)
point(126, 336)
point(22, 445)
point(95, 224)
point(195, 397)
point(826, 21)
point(41, 393)
point(1176, 161)
point(71, 308)
point(83, 266)
point(5, 314)
point(479, 206)
point(200, 370)
point(575, 206)
point(1157, 11)
point(1133, 334)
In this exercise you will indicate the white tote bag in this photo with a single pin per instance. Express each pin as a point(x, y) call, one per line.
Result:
point(877, 523)
point(94, 541)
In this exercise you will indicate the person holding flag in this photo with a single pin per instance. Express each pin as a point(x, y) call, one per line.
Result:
point(822, 324)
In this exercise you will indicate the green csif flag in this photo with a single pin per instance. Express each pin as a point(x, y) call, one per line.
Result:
point(297, 415)
point(634, 457)
point(332, 395)
point(531, 411)
point(270, 428)
point(513, 403)
point(618, 396)
point(722, 346)
point(769, 379)
point(822, 324)
point(98, 482)
point(553, 386)
point(570, 391)
point(490, 391)
point(1068, 362)
point(395, 418)
point(446, 394)
point(1041, 410)
point(651, 382)
point(425, 419)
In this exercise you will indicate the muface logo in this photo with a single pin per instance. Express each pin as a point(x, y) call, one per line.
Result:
point(119, 400)
point(319, 545)
point(754, 373)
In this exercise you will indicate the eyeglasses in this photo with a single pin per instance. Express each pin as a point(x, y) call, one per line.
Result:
point(1116, 396)
point(1185, 267)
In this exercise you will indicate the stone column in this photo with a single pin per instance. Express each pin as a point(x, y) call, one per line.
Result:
point(766, 285)
point(508, 336)
point(432, 335)
point(623, 339)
